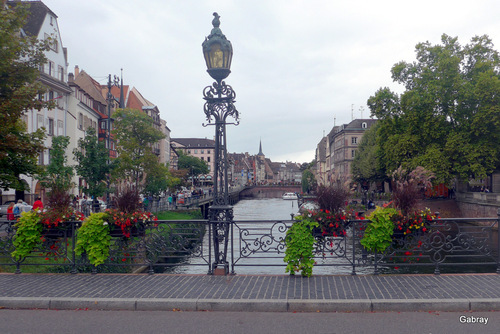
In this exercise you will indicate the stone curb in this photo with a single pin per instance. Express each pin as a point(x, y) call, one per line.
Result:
point(252, 305)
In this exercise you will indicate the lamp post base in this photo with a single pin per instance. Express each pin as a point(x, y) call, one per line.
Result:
point(221, 218)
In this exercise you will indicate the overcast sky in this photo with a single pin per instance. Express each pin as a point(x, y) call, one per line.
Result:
point(298, 66)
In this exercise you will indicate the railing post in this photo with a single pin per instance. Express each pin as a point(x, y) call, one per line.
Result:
point(498, 242)
point(73, 242)
point(353, 247)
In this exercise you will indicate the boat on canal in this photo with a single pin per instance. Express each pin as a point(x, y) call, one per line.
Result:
point(289, 196)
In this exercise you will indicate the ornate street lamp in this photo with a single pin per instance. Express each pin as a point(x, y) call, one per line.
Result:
point(219, 104)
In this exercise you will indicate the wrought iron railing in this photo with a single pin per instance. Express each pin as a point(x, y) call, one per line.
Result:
point(166, 245)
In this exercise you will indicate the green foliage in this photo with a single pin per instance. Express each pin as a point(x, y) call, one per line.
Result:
point(92, 158)
point(308, 181)
point(367, 166)
point(135, 134)
point(299, 247)
point(28, 235)
point(57, 176)
point(193, 165)
point(94, 239)
point(379, 231)
point(20, 57)
point(448, 119)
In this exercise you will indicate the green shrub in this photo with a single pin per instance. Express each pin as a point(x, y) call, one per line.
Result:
point(299, 246)
point(94, 239)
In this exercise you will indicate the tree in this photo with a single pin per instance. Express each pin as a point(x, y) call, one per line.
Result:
point(308, 181)
point(135, 135)
point(20, 58)
point(159, 180)
point(366, 166)
point(193, 165)
point(92, 158)
point(57, 175)
point(448, 118)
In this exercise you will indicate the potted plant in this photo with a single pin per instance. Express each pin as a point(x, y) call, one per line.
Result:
point(94, 238)
point(128, 217)
point(299, 241)
point(28, 235)
point(379, 230)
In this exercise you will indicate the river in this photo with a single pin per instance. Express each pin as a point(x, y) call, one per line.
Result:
point(262, 209)
point(271, 263)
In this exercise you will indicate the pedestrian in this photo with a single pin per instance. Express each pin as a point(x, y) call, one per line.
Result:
point(17, 208)
point(10, 211)
point(38, 204)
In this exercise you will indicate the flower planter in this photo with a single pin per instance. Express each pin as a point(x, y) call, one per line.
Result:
point(56, 232)
point(137, 230)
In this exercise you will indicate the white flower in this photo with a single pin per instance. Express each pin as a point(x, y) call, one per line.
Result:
point(105, 223)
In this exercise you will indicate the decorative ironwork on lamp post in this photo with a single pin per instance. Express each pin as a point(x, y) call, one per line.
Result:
point(219, 104)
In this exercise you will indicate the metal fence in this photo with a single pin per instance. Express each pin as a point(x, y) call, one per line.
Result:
point(448, 243)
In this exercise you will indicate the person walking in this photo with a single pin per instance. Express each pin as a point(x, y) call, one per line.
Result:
point(17, 208)
point(38, 204)
point(10, 211)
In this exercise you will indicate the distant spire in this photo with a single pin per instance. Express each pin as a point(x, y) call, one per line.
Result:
point(122, 98)
point(260, 148)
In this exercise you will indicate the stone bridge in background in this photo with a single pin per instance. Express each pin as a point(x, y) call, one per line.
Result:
point(268, 191)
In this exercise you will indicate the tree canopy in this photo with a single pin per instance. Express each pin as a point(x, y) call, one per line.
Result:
point(366, 166)
point(193, 165)
point(448, 118)
point(20, 58)
point(92, 158)
point(135, 134)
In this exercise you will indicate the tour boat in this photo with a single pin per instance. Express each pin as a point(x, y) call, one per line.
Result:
point(289, 196)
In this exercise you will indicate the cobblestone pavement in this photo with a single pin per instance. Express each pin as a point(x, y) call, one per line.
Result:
point(245, 293)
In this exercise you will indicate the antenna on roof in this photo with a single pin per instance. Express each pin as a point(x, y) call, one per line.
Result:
point(352, 112)
point(361, 109)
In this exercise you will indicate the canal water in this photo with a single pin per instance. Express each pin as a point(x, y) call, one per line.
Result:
point(274, 209)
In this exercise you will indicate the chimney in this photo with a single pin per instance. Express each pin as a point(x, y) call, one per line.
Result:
point(77, 71)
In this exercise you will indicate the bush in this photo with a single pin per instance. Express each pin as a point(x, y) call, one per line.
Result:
point(408, 188)
point(333, 198)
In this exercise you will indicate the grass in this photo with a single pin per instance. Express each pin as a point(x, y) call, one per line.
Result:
point(179, 215)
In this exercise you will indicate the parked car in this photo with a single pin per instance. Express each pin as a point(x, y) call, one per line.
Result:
point(102, 205)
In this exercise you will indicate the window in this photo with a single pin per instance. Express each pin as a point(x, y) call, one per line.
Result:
point(61, 73)
point(195, 151)
point(202, 151)
point(353, 153)
point(39, 121)
point(208, 151)
point(51, 95)
point(80, 121)
point(364, 125)
point(50, 127)
point(208, 159)
point(354, 140)
point(202, 159)
point(51, 68)
point(40, 158)
point(60, 128)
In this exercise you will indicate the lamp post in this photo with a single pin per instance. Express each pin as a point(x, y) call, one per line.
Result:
point(219, 97)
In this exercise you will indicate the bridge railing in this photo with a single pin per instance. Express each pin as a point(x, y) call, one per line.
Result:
point(166, 246)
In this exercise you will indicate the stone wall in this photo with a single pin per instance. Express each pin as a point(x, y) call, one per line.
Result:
point(477, 204)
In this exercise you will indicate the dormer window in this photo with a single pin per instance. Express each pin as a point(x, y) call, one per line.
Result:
point(364, 125)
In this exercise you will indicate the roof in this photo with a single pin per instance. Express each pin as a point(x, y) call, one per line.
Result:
point(37, 13)
point(322, 149)
point(90, 86)
point(194, 142)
